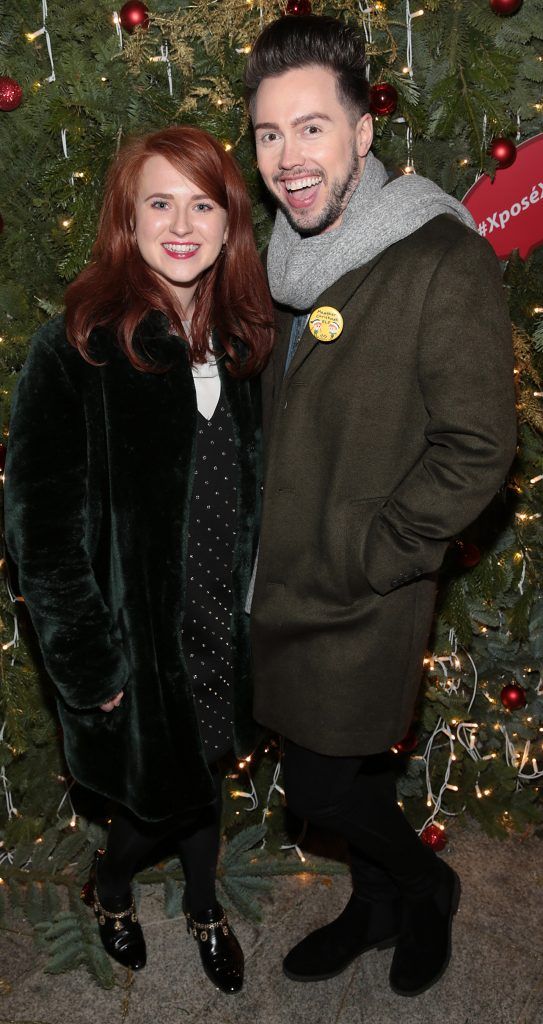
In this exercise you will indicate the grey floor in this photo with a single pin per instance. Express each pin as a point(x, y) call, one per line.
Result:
point(495, 976)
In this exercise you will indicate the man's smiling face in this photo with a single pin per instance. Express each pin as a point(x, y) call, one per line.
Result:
point(310, 148)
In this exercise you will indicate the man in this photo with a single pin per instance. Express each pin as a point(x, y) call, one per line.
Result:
point(385, 437)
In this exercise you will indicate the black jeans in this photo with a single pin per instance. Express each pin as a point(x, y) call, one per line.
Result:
point(356, 798)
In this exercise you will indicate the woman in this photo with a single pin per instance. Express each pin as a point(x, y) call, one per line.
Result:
point(132, 496)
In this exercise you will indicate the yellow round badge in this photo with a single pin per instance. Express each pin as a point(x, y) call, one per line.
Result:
point(326, 323)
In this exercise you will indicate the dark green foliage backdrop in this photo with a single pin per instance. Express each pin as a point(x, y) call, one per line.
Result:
point(474, 75)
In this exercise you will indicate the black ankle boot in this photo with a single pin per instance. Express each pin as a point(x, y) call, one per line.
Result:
point(424, 946)
point(362, 925)
point(220, 952)
point(118, 924)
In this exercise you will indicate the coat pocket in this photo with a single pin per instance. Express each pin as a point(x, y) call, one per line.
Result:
point(360, 514)
point(95, 718)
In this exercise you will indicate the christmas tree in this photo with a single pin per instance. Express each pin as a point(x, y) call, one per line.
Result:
point(456, 89)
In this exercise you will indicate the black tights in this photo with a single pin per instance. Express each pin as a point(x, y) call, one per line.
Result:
point(131, 843)
point(356, 798)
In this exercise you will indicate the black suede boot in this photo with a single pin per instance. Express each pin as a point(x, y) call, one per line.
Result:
point(424, 946)
point(362, 925)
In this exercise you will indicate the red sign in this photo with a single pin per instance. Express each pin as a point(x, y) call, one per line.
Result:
point(509, 210)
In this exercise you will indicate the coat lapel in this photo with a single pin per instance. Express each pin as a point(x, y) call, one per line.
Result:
point(337, 296)
point(283, 324)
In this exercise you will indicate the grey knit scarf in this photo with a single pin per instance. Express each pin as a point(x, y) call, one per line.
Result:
point(300, 269)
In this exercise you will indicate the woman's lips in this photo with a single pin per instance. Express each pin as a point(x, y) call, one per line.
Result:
point(180, 251)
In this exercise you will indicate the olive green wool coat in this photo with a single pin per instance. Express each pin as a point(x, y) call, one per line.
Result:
point(98, 486)
point(380, 447)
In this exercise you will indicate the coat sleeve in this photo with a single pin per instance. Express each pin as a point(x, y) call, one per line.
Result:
point(465, 367)
point(46, 518)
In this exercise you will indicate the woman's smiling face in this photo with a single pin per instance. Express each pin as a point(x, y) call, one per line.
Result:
point(179, 230)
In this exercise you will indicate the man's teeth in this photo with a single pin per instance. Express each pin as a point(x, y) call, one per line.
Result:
point(295, 186)
point(173, 247)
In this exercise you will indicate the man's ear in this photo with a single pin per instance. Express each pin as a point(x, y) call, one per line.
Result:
point(364, 135)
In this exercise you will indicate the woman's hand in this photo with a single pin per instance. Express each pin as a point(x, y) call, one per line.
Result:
point(110, 704)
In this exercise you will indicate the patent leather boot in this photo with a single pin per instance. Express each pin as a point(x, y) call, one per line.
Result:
point(220, 952)
point(120, 930)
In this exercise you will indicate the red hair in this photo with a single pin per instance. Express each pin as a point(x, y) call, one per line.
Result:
point(118, 289)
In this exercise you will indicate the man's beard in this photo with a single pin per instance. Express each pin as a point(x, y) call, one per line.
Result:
point(340, 194)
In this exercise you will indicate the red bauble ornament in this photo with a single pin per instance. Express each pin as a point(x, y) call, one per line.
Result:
point(468, 554)
point(134, 15)
point(505, 7)
point(383, 99)
point(435, 837)
point(408, 744)
point(513, 697)
point(11, 93)
point(298, 7)
point(504, 151)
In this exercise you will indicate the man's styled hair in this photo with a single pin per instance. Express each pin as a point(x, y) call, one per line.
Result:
point(299, 41)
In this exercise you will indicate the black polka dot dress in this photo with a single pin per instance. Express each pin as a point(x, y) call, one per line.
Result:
point(208, 605)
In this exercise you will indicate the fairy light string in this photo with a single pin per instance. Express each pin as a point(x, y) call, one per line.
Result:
point(466, 734)
point(6, 786)
point(14, 642)
point(117, 23)
point(252, 795)
point(31, 36)
point(409, 168)
point(367, 26)
point(164, 58)
point(67, 799)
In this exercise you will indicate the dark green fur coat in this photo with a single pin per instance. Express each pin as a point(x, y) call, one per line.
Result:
point(98, 486)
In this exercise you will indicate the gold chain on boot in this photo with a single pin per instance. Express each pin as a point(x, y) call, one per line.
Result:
point(116, 916)
point(201, 930)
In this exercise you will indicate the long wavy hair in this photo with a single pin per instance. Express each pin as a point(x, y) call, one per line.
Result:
point(117, 289)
